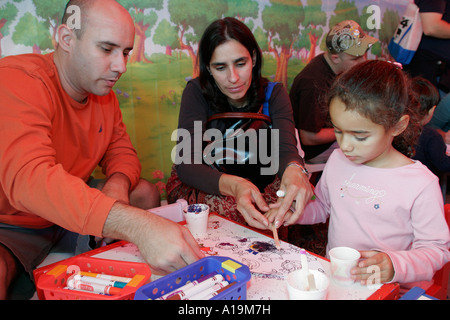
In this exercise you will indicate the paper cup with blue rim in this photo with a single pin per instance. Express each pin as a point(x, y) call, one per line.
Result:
point(298, 287)
point(342, 260)
point(196, 216)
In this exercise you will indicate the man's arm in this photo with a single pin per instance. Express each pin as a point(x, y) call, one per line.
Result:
point(165, 245)
point(117, 186)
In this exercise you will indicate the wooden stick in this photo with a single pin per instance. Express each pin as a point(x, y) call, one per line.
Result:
point(275, 237)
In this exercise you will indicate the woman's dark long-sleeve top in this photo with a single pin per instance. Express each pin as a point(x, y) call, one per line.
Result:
point(194, 107)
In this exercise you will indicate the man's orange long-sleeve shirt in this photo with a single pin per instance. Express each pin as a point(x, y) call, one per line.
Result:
point(49, 146)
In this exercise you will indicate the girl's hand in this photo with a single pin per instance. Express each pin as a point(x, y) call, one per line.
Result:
point(376, 267)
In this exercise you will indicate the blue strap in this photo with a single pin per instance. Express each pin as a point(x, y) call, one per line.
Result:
point(269, 89)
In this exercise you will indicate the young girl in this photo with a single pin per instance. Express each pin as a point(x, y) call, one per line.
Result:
point(378, 200)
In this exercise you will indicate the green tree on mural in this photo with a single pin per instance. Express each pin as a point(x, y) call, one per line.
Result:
point(314, 21)
point(261, 38)
point(282, 33)
point(51, 11)
point(144, 21)
point(192, 21)
point(241, 9)
point(389, 25)
point(8, 13)
point(345, 10)
point(166, 35)
point(31, 32)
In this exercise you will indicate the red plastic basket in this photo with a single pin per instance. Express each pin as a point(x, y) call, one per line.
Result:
point(51, 284)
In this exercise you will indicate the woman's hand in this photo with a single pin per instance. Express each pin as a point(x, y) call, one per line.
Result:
point(375, 267)
point(298, 191)
point(250, 203)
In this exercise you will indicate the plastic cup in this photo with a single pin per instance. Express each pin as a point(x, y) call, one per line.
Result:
point(342, 260)
point(196, 216)
point(297, 285)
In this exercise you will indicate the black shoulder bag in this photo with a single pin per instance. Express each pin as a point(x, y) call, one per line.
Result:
point(245, 146)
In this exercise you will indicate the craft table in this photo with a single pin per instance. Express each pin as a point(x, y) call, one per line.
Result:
point(268, 265)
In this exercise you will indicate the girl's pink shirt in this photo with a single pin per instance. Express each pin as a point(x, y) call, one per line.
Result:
point(398, 211)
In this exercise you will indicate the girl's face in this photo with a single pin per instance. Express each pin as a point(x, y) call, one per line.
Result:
point(231, 67)
point(361, 140)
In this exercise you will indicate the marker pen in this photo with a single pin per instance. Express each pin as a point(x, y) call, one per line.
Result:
point(93, 287)
point(105, 276)
point(85, 291)
point(210, 292)
point(174, 293)
point(104, 282)
point(186, 294)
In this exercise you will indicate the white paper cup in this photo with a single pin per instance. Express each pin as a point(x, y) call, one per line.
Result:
point(342, 260)
point(297, 284)
point(196, 216)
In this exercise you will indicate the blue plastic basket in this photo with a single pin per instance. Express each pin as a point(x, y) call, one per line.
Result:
point(230, 269)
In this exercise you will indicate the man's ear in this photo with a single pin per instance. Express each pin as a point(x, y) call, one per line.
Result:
point(335, 58)
point(401, 125)
point(65, 37)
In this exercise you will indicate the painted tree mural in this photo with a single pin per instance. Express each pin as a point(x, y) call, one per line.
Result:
point(314, 23)
point(8, 13)
point(192, 23)
point(31, 32)
point(50, 11)
point(282, 33)
point(144, 21)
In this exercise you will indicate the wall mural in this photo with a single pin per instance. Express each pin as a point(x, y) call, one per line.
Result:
point(289, 32)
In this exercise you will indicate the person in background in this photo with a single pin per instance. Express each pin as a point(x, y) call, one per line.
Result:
point(59, 119)
point(441, 118)
point(347, 45)
point(380, 201)
point(432, 58)
point(431, 149)
point(230, 62)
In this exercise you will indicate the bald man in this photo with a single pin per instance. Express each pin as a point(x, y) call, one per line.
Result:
point(59, 119)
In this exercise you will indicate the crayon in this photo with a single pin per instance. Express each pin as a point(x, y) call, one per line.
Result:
point(104, 282)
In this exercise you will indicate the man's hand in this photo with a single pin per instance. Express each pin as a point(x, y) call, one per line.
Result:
point(164, 244)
